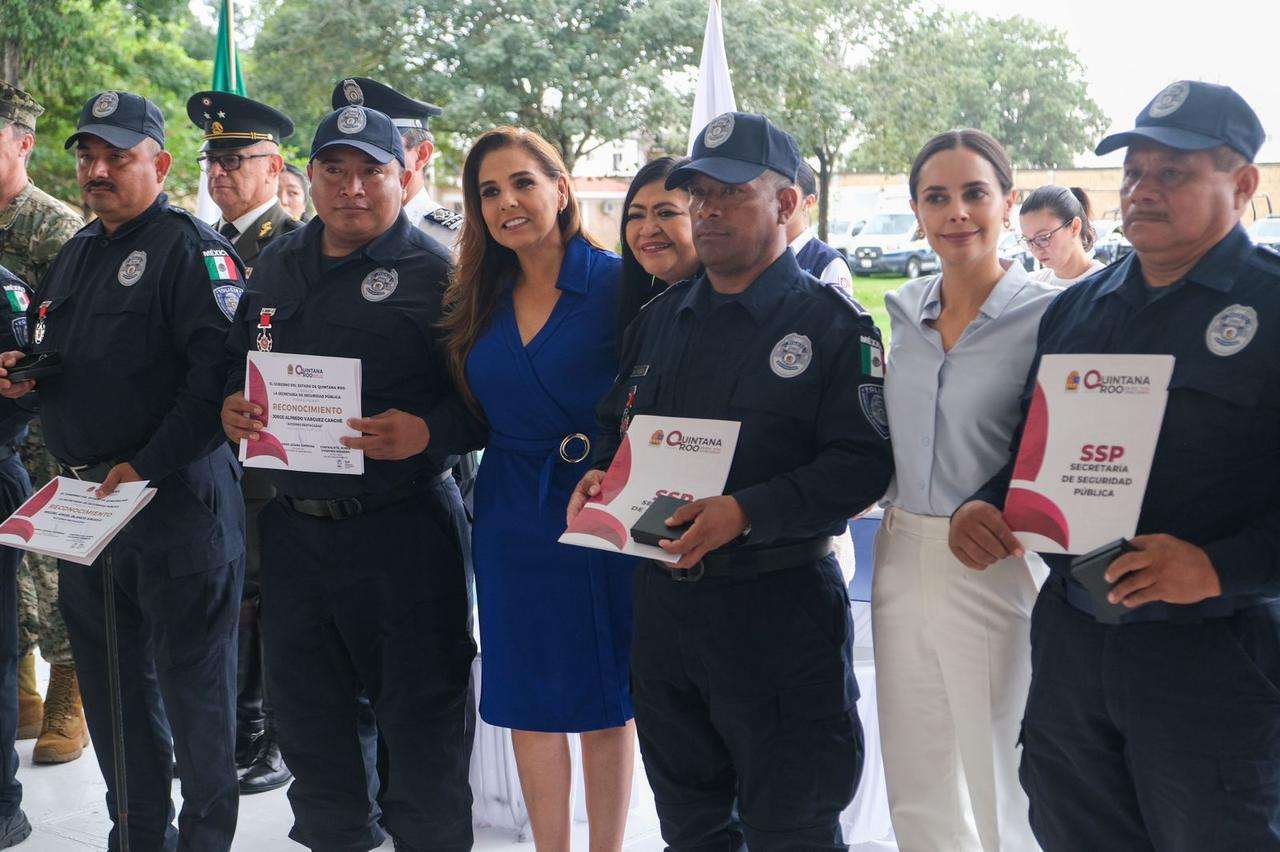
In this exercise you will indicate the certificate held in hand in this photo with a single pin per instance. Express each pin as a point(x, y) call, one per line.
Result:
point(1086, 450)
point(306, 401)
point(681, 457)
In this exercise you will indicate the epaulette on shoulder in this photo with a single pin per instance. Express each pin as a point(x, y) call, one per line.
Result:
point(842, 296)
point(446, 218)
point(8, 278)
point(200, 230)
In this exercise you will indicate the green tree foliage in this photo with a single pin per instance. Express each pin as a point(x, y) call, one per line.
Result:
point(1015, 78)
point(64, 51)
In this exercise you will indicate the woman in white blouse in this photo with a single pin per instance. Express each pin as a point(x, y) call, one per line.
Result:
point(951, 644)
point(1056, 228)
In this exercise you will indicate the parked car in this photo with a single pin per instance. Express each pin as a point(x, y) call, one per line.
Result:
point(890, 243)
point(1266, 232)
point(1011, 247)
point(840, 234)
point(1111, 244)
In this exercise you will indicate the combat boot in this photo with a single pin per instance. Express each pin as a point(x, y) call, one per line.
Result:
point(65, 733)
point(30, 704)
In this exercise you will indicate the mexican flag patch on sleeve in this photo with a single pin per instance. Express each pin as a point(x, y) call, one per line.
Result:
point(872, 358)
point(221, 267)
point(18, 299)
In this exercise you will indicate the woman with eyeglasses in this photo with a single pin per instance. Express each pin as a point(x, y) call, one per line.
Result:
point(1056, 228)
point(952, 650)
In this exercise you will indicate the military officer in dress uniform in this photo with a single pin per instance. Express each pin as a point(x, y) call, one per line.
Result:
point(411, 117)
point(241, 157)
point(138, 304)
point(15, 488)
point(1163, 731)
point(363, 582)
point(742, 661)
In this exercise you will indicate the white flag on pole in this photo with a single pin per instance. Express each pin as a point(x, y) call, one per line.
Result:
point(715, 91)
point(206, 210)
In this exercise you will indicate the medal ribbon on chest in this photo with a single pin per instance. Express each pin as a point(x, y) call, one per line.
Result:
point(264, 329)
point(38, 337)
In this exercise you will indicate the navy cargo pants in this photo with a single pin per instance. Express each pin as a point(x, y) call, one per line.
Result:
point(15, 488)
point(179, 567)
point(375, 602)
point(1153, 735)
point(744, 691)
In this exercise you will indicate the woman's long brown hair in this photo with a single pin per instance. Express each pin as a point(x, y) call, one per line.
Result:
point(483, 264)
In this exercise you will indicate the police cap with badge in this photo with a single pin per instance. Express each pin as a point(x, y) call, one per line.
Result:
point(121, 119)
point(738, 147)
point(361, 128)
point(232, 121)
point(1194, 116)
point(405, 112)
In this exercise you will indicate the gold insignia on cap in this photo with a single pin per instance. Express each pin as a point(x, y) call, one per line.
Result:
point(216, 128)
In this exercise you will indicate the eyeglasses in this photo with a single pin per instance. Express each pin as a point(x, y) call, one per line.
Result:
point(228, 162)
point(1042, 241)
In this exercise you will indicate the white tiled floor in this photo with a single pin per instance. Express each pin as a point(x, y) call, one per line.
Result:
point(67, 811)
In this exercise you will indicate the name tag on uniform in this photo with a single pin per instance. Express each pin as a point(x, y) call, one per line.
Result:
point(640, 371)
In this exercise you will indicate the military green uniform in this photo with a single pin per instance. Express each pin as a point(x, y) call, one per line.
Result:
point(33, 227)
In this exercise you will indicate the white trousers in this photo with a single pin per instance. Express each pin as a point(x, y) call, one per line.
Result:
point(953, 667)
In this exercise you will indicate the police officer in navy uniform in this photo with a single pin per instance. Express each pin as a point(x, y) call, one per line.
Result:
point(363, 580)
point(15, 488)
point(241, 157)
point(742, 661)
point(1164, 731)
point(138, 304)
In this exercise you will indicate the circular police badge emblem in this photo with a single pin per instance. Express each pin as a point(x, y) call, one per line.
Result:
point(351, 120)
point(353, 92)
point(1170, 100)
point(791, 356)
point(379, 284)
point(871, 399)
point(132, 268)
point(719, 130)
point(105, 104)
point(1231, 330)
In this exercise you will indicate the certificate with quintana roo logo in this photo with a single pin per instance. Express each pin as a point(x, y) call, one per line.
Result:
point(679, 456)
point(1086, 450)
point(65, 520)
point(306, 401)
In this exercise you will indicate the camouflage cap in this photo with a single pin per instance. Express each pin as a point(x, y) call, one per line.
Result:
point(17, 107)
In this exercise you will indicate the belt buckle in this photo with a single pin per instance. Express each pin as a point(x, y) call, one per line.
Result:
point(689, 575)
point(564, 448)
point(75, 469)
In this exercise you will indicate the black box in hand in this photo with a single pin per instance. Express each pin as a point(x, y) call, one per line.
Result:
point(652, 526)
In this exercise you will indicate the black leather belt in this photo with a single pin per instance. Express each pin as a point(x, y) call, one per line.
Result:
point(748, 563)
point(342, 508)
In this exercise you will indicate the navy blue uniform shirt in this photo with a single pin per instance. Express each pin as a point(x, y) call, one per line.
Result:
point(786, 359)
point(1215, 479)
point(139, 318)
point(14, 416)
point(330, 306)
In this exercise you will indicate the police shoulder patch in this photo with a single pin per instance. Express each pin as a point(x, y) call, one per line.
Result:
point(19, 326)
point(227, 298)
point(871, 399)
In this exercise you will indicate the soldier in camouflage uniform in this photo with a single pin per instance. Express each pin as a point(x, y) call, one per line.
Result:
point(33, 227)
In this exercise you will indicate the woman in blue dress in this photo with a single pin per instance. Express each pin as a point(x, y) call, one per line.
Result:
point(531, 340)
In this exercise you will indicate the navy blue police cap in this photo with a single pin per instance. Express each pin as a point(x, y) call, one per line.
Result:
point(737, 147)
point(362, 128)
point(121, 119)
point(232, 121)
point(1193, 116)
point(405, 112)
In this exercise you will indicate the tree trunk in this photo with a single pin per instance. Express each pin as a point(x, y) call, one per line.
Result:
point(10, 62)
point(824, 185)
